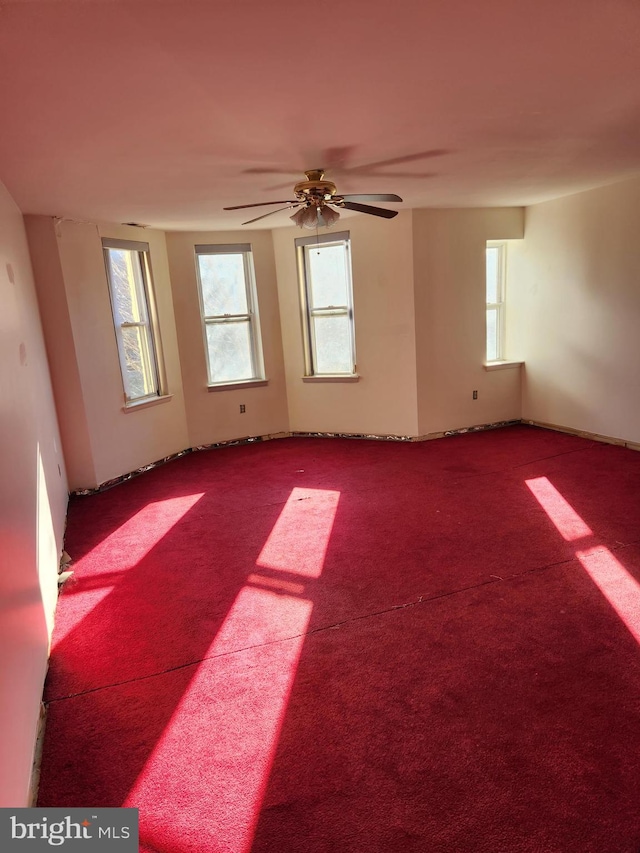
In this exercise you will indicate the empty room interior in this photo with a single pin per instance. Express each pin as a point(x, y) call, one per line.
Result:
point(320, 495)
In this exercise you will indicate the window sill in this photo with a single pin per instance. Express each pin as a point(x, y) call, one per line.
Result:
point(229, 386)
point(146, 403)
point(502, 365)
point(327, 377)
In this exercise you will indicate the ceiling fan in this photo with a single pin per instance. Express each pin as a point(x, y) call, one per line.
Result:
point(317, 200)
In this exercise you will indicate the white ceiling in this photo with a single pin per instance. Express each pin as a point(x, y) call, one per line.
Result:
point(165, 111)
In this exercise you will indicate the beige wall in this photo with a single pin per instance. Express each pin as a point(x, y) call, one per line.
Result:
point(33, 499)
point(384, 400)
point(102, 439)
point(450, 281)
point(576, 316)
point(61, 350)
point(419, 306)
point(214, 416)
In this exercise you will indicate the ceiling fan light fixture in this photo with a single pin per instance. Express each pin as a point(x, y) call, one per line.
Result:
point(315, 216)
point(328, 215)
point(306, 217)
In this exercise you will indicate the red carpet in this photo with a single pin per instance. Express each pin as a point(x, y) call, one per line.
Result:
point(320, 645)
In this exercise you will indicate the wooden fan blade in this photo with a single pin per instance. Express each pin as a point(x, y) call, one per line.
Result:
point(366, 208)
point(265, 170)
point(262, 204)
point(371, 197)
point(288, 207)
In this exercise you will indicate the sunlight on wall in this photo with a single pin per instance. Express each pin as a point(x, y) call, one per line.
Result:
point(224, 732)
point(131, 541)
point(47, 550)
point(566, 519)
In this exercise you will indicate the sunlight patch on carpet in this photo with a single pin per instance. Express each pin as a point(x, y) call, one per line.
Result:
point(130, 542)
point(562, 514)
point(299, 539)
point(621, 590)
point(217, 749)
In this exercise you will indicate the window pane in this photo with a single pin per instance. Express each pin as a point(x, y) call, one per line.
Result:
point(127, 287)
point(492, 334)
point(223, 284)
point(333, 344)
point(328, 273)
point(136, 350)
point(138, 368)
point(493, 274)
point(229, 351)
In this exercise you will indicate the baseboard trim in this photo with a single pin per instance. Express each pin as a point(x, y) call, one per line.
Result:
point(482, 427)
point(116, 481)
point(430, 436)
point(252, 439)
point(354, 435)
point(580, 433)
point(37, 757)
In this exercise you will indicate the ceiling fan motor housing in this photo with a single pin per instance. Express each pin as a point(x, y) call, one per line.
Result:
point(315, 190)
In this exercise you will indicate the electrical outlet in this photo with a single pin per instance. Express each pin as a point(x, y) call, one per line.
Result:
point(243, 408)
point(475, 395)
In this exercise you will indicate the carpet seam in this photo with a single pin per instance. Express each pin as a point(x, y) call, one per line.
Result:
point(594, 444)
point(420, 600)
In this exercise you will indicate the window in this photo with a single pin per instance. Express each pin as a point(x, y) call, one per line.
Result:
point(134, 319)
point(324, 267)
point(229, 313)
point(495, 258)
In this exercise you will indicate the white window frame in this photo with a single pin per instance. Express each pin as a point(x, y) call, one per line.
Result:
point(305, 245)
point(151, 354)
point(499, 306)
point(251, 317)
